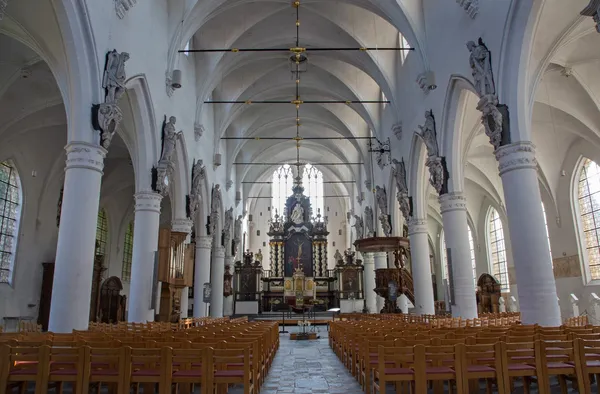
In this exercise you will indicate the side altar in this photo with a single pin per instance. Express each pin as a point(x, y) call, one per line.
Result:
point(298, 249)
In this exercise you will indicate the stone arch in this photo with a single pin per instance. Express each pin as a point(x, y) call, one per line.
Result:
point(418, 177)
point(452, 130)
point(145, 152)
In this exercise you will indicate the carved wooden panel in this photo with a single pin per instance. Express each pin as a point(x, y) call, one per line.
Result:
point(567, 267)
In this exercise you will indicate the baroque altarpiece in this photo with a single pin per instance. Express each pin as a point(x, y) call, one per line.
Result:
point(298, 249)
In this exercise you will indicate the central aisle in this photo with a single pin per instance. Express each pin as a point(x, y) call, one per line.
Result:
point(306, 367)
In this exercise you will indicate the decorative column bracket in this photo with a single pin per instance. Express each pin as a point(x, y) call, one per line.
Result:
point(470, 6)
point(438, 174)
point(107, 116)
point(495, 116)
point(592, 9)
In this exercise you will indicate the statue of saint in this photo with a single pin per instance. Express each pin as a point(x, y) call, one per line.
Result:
point(338, 257)
point(170, 137)
point(369, 223)
point(399, 172)
point(259, 256)
point(381, 196)
point(198, 175)
point(114, 76)
point(237, 232)
point(359, 226)
point(429, 135)
point(481, 67)
point(215, 204)
point(297, 216)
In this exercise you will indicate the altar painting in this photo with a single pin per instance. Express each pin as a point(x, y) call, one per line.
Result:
point(298, 254)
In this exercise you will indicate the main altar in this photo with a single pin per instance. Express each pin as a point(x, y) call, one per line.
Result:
point(298, 274)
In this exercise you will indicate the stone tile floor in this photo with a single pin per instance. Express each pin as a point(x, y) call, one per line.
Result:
point(307, 367)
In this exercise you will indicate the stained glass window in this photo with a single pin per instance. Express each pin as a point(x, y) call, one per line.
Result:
point(472, 250)
point(127, 253)
point(497, 249)
point(281, 188)
point(589, 211)
point(312, 180)
point(10, 214)
point(101, 233)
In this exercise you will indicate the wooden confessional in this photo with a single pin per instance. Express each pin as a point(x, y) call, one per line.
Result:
point(175, 271)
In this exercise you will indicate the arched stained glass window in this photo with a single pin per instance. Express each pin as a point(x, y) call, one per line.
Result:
point(10, 216)
point(101, 233)
point(281, 188)
point(312, 180)
point(589, 214)
point(497, 249)
point(127, 253)
point(472, 250)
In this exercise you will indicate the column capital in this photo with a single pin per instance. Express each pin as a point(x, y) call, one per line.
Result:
point(380, 255)
point(220, 252)
point(85, 155)
point(182, 226)
point(204, 242)
point(368, 259)
point(454, 201)
point(520, 155)
point(416, 226)
point(147, 200)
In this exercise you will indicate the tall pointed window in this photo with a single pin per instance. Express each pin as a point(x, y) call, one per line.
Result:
point(281, 188)
point(101, 233)
point(312, 180)
point(403, 44)
point(547, 232)
point(10, 215)
point(444, 256)
point(497, 249)
point(589, 215)
point(472, 250)
point(127, 253)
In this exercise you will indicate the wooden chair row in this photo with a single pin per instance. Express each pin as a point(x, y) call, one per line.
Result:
point(121, 368)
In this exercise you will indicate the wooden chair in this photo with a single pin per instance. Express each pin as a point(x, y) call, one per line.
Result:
point(588, 357)
point(443, 362)
point(400, 365)
point(184, 366)
point(482, 361)
point(22, 365)
point(522, 360)
point(66, 364)
point(105, 365)
point(558, 359)
point(144, 366)
point(221, 361)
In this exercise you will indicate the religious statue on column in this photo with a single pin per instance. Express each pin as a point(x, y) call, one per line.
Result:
point(198, 175)
point(481, 67)
point(170, 137)
point(369, 224)
point(114, 76)
point(237, 234)
point(359, 226)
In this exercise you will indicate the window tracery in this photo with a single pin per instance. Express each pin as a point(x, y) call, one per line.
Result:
point(127, 253)
point(588, 193)
point(497, 249)
point(10, 215)
point(281, 188)
point(101, 233)
point(312, 179)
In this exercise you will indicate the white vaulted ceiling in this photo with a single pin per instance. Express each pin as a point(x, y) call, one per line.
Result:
point(339, 75)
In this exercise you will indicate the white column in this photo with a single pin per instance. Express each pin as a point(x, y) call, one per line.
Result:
point(454, 216)
point(380, 263)
point(145, 245)
point(403, 303)
point(369, 285)
point(71, 289)
point(530, 250)
point(216, 281)
point(421, 267)
point(228, 301)
point(201, 273)
point(185, 294)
